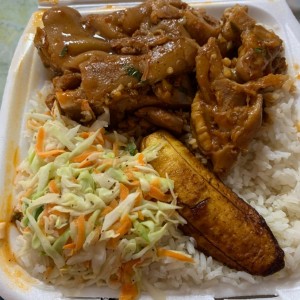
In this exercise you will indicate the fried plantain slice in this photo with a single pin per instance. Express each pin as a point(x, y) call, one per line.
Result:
point(223, 225)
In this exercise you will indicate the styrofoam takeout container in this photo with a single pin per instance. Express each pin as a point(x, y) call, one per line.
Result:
point(27, 75)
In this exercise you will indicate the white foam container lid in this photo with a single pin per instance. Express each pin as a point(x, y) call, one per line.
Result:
point(27, 74)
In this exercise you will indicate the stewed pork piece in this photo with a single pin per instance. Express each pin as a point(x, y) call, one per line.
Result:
point(225, 114)
point(162, 58)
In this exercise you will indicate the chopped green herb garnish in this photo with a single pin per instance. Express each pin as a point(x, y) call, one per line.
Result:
point(64, 51)
point(131, 71)
point(258, 50)
point(131, 148)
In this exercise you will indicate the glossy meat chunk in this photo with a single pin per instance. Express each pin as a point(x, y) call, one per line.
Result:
point(223, 225)
point(259, 50)
point(148, 56)
point(64, 37)
point(226, 115)
point(161, 118)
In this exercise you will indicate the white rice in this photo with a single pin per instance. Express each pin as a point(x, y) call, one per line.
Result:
point(268, 178)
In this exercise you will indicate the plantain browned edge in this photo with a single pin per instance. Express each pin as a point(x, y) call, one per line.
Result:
point(223, 225)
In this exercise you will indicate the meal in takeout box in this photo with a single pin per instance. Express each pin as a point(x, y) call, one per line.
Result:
point(163, 153)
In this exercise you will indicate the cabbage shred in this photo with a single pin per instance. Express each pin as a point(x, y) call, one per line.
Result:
point(94, 211)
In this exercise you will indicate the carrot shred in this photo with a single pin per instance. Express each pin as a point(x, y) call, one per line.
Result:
point(129, 174)
point(69, 246)
point(39, 146)
point(84, 134)
point(139, 198)
point(125, 225)
point(61, 230)
point(105, 211)
point(54, 152)
point(48, 272)
point(135, 183)
point(122, 227)
point(161, 252)
point(156, 182)
point(140, 159)
point(86, 163)
point(113, 204)
point(157, 194)
point(53, 187)
point(112, 243)
point(124, 191)
point(80, 238)
point(81, 157)
point(129, 291)
point(40, 140)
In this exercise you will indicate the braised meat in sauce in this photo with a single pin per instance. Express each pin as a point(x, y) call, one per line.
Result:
point(165, 64)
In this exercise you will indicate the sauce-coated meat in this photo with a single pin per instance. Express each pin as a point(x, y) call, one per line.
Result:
point(171, 56)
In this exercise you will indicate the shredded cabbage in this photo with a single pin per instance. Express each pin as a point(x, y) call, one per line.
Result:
point(87, 203)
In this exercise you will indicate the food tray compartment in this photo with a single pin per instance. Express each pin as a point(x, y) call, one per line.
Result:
point(27, 75)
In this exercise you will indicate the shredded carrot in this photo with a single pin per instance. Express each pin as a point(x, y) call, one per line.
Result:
point(157, 194)
point(47, 209)
point(141, 159)
point(127, 269)
point(105, 211)
point(112, 243)
point(48, 272)
point(61, 230)
point(156, 182)
point(69, 246)
point(129, 291)
point(161, 252)
point(80, 224)
point(81, 157)
point(86, 163)
point(53, 187)
point(60, 213)
point(84, 134)
point(40, 140)
point(135, 183)
point(113, 204)
point(129, 174)
point(125, 225)
point(54, 152)
point(87, 216)
point(122, 227)
point(139, 198)
point(39, 146)
point(124, 191)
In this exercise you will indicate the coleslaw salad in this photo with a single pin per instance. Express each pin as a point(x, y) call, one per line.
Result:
point(91, 209)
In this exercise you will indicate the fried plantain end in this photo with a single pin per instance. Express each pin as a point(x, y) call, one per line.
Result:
point(223, 225)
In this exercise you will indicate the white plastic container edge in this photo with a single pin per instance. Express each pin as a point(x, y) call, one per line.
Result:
point(27, 74)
